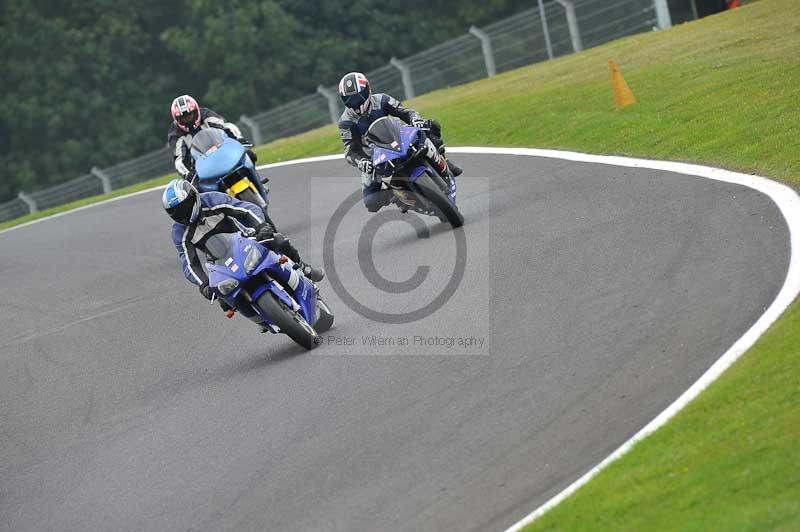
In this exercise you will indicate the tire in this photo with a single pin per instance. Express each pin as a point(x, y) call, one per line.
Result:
point(251, 197)
point(426, 187)
point(325, 317)
point(290, 322)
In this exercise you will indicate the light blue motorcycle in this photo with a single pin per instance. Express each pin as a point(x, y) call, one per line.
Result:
point(222, 165)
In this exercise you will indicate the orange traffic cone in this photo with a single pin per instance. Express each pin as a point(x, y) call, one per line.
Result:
point(623, 96)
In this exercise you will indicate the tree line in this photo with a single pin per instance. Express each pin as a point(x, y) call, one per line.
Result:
point(90, 83)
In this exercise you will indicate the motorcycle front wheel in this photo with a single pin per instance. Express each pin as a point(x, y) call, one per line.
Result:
point(427, 188)
point(288, 321)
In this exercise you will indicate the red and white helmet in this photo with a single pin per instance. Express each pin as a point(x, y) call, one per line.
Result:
point(186, 113)
point(355, 92)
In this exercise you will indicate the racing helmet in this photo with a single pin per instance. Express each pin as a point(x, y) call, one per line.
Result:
point(355, 92)
point(186, 113)
point(181, 201)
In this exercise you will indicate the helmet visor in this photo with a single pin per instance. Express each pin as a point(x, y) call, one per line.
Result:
point(355, 101)
point(182, 213)
point(189, 118)
point(185, 210)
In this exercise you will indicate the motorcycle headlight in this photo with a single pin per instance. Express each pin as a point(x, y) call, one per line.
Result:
point(252, 260)
point(227, 286)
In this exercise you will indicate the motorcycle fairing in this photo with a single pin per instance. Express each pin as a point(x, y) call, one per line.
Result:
point(382, 155)
point(219, 162)
point(304, 295)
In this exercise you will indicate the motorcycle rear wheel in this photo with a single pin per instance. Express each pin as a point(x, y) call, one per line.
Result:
point(288, 321)
point(324, 316)
point(251, 197)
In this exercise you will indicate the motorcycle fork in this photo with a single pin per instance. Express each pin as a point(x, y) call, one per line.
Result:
point(439, 162)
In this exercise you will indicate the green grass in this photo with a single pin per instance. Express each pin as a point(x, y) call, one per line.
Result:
point(729, 461)
point(722, 91)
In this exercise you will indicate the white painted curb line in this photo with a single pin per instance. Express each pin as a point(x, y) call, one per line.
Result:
point(788, 203)
point(784, 197)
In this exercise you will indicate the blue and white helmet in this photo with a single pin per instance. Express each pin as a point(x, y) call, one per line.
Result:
point(354, 91)
point(181, 201)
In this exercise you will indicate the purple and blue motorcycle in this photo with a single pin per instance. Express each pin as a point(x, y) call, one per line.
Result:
point(401, 158)
point(264, 287)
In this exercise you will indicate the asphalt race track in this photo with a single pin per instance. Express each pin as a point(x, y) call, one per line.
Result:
point(590, 297)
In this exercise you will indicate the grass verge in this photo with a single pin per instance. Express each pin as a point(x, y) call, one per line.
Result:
point(722, 91)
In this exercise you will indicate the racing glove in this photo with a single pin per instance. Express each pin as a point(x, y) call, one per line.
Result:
point(264, 231)
point(206, 291)
point(365, 165)
point(418, 122)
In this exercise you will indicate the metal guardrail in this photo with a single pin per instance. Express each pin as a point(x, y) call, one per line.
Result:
point(148, 166)
point(14, 209)
point(551, 29)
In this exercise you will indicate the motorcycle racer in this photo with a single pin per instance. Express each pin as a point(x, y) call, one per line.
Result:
point(187, 119)
point(198, 216)
point(362, 108)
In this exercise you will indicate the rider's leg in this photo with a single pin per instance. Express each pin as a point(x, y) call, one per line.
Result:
point(435, 135)
point(437, 160)
point(375, 196)
point(281, 244)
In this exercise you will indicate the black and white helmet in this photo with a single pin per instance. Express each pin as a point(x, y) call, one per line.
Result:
point(354, 91)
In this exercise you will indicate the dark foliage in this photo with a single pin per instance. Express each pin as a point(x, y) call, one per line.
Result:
point(90, 83)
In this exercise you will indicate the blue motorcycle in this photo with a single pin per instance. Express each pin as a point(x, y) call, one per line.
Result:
point(264, 287)
point(400, 159)
point(222, 165)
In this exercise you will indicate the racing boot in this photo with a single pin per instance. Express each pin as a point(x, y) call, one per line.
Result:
point(399, 198)
point(454, 168)
point(284, 245)
point(315, 274)
point(378, 199)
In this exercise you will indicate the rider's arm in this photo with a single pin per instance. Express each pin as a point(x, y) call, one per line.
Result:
point(180, 151)
point(353, 151)
point(187, 253)
point(393, 107)
point(214, 119)
point(246, 213)
point(183, 159)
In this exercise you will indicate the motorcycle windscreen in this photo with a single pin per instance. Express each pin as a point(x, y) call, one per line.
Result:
point(207, 141)
point(219, 246)
point(385, 133)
